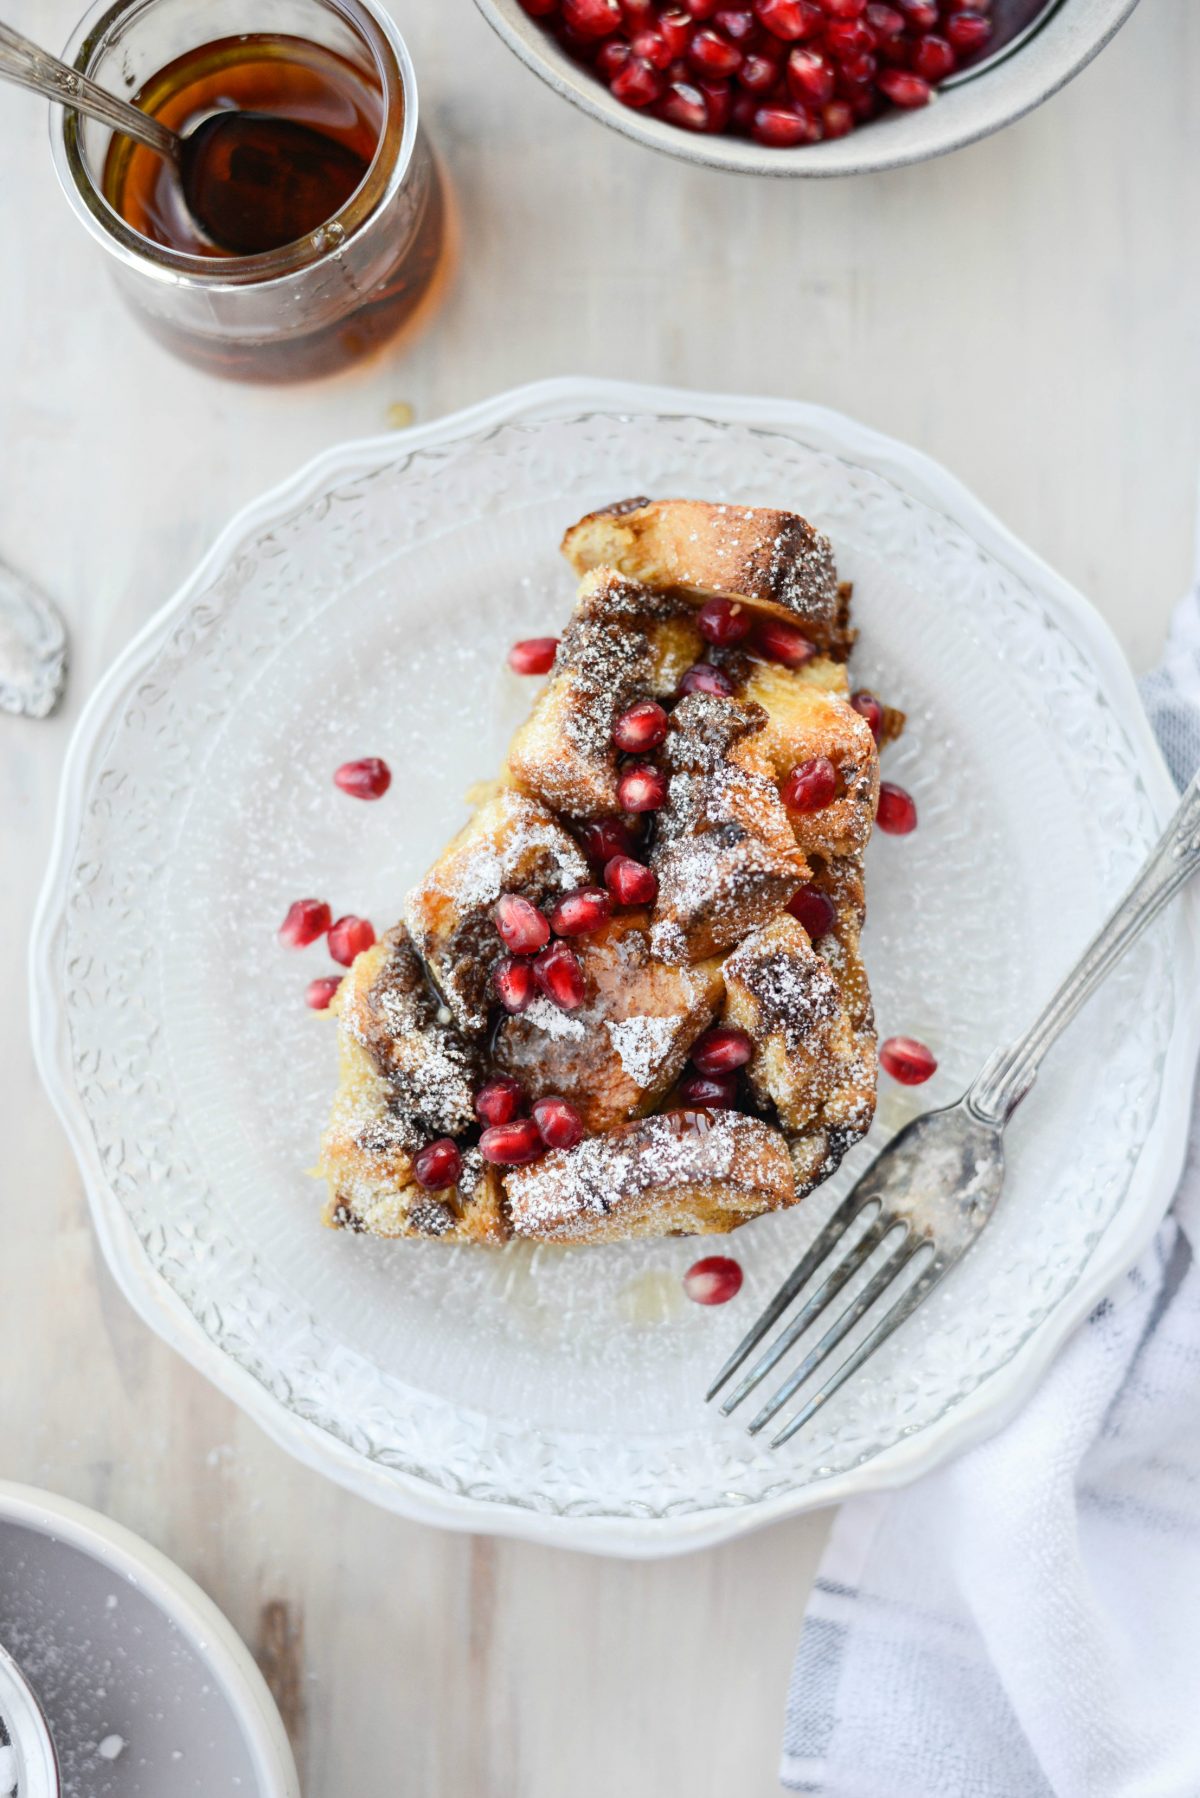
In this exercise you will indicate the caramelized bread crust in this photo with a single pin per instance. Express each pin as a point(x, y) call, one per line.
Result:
point(418, 1024)
point(770, 560)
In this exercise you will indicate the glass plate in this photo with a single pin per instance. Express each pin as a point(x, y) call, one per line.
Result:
point(366, 609)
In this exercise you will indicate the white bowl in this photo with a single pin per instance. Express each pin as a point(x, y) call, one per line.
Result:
point(366, 607)
point(1064, 45)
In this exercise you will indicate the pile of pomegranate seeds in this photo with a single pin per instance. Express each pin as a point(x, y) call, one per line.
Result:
point(783, 72)
point(318, 994)
point(713, 1281)
point(369, 778)
point(348, 937)
point(907, 1060)
point(306, 920)
point(533, 655)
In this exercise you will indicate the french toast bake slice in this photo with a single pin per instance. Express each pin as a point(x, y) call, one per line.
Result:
point(615, 1015)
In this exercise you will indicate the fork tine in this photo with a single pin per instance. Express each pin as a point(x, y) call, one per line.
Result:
point(850, 1208)
point(891, 1320)
point(895, 1264)
point(828, 1290)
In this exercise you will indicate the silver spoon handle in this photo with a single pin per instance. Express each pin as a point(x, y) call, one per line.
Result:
point(34, 68)
point(1007, 1076)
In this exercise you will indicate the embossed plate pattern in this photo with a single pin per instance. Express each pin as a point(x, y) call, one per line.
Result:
point(364, 608)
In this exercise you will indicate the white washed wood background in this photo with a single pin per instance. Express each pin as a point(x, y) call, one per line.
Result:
point(1027, 311)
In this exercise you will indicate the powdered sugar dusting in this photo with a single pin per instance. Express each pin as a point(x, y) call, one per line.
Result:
point(642, 1044)
point(562, 1025)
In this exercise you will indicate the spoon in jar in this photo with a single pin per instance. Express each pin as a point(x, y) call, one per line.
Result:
point(251, 181)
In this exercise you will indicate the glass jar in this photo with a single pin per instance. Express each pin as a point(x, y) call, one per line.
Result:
point(315, 305)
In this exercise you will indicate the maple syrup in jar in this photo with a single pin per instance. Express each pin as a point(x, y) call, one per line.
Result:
point(298, 306)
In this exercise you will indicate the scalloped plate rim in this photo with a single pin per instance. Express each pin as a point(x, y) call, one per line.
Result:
point(979, 1414)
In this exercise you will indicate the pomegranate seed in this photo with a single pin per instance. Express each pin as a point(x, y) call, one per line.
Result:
point(736, 23)
point(641, 728)
point(906, 1060)
point(637, 84)
point(560, 1124)
point(306, 920)
point(630, 882)
point(849, 37)
point(718, 96)
point(922, 15)
point(723, 621)
point(714, 55)
point(855, 73)
point(810, 76)
point(522, 926)
point(533, 655)
point(686, 106)
point(514, 984)
point(612, 58)
point(968, 31)
point(653, 48)
point(789, 19)
point(870, 708)
point(984, 6)
point(757, 74)
point(318, 994)
point(499, 1100)
point(676, 29)
point(903, 89)
point(702, 677)
point(701, 9)
point(512, 1145)
point(781, 642)
point(933, 58)
point(540, 9)
point(712, 1092)
point(813, 908)
point(369, 778)
point(642, 788)
point(884, 20)
point(722, 1050)
point(638, 15)
point(811, 786)
point(742, 111)
point(780, 127)
point(714, 1280)
point(837, 119)
point(897, 812)
point(592, 18)
point(602, 838)
point(581, 912)
point(438, 1165)
point(560, 977)
point(349, 937)
point(844, 9)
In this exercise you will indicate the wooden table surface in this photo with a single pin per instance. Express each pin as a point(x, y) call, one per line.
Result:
point(1026, 311)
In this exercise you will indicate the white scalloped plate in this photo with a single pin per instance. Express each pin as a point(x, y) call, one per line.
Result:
point(364, 607)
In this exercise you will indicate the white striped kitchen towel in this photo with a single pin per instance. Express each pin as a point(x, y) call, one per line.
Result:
point(1025, 1622)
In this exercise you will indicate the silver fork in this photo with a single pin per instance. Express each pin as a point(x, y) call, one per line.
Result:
point(930, 1192)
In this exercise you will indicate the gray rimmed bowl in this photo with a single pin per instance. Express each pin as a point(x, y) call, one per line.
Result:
point(1064, 44)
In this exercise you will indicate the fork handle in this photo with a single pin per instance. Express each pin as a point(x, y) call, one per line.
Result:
point(1005, 1079)
point(28, 65)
